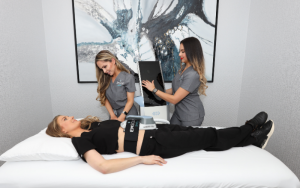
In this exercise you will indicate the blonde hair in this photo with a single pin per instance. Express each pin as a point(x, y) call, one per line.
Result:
point(194, 54)
point(102, 78)
point(54, 129)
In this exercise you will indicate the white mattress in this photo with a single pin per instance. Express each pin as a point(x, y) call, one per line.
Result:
point(245, 167)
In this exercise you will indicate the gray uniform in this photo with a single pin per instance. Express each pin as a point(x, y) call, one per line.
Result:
point(189, 111)
point(116, 93)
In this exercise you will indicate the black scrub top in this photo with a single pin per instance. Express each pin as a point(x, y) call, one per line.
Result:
point(116, 93)
point(189, 108)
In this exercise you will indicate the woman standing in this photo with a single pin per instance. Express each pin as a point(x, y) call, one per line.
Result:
point(116, 86)
point(187, 85)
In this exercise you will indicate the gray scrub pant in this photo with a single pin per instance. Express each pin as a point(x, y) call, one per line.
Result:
point(175, 121)
point(174, 140)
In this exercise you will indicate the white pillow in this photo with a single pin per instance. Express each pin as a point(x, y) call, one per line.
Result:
point(41, 147)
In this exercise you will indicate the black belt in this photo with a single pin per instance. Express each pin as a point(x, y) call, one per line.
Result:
point(131, 135)
point(130, 146)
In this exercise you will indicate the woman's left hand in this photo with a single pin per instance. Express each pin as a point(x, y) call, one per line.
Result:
point(153, 159)
point(149, 85)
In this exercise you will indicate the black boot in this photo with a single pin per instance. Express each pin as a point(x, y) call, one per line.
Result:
point(258, 120)
point(263, 134)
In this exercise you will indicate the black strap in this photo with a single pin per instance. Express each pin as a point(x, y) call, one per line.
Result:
point(131, 135)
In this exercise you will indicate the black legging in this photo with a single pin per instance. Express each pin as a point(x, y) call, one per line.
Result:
point(174, 140)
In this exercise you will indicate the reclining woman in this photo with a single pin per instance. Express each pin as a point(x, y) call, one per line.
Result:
point(93, 138)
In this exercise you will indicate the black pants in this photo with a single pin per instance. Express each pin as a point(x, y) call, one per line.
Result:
point(174, 140)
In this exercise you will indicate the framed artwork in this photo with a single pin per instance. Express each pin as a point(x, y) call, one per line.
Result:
point(142, 30)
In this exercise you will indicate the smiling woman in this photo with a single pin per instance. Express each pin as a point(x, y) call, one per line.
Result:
point(61, 126)
point(116, 86)
point(107, 137)
point(68, 125)
point(187, 85)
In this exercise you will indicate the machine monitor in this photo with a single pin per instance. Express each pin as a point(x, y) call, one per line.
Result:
point(151, 70)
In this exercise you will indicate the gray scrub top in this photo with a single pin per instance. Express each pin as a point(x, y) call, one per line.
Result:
point(189, 108)
point(116, 93)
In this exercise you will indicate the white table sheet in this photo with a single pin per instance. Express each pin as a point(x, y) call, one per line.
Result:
point(244, 167)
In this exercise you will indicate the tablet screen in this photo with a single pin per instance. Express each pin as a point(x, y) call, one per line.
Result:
point(150, 70)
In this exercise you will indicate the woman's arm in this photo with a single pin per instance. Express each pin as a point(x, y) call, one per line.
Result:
point(169, 91)
point(110, 110)
point(174, 99)
point(104, 166)
point(128, 106)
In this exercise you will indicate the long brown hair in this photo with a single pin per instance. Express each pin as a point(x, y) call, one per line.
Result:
point(102, 78)
point(54, 129)
point(194, 54)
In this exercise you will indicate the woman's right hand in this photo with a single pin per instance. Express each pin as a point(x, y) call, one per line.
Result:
point(149, 85)
point(153, 159)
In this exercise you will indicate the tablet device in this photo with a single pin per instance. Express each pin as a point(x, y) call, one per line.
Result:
point(151, 70)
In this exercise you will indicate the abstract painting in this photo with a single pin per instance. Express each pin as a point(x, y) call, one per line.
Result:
point(142, 30)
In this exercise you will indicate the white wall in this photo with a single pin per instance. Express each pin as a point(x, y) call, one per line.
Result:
point(223, 95)
point(272, 74)
point(68, 96)
point(25, 103)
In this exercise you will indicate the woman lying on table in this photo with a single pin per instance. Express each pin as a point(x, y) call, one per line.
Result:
point(93, 138)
